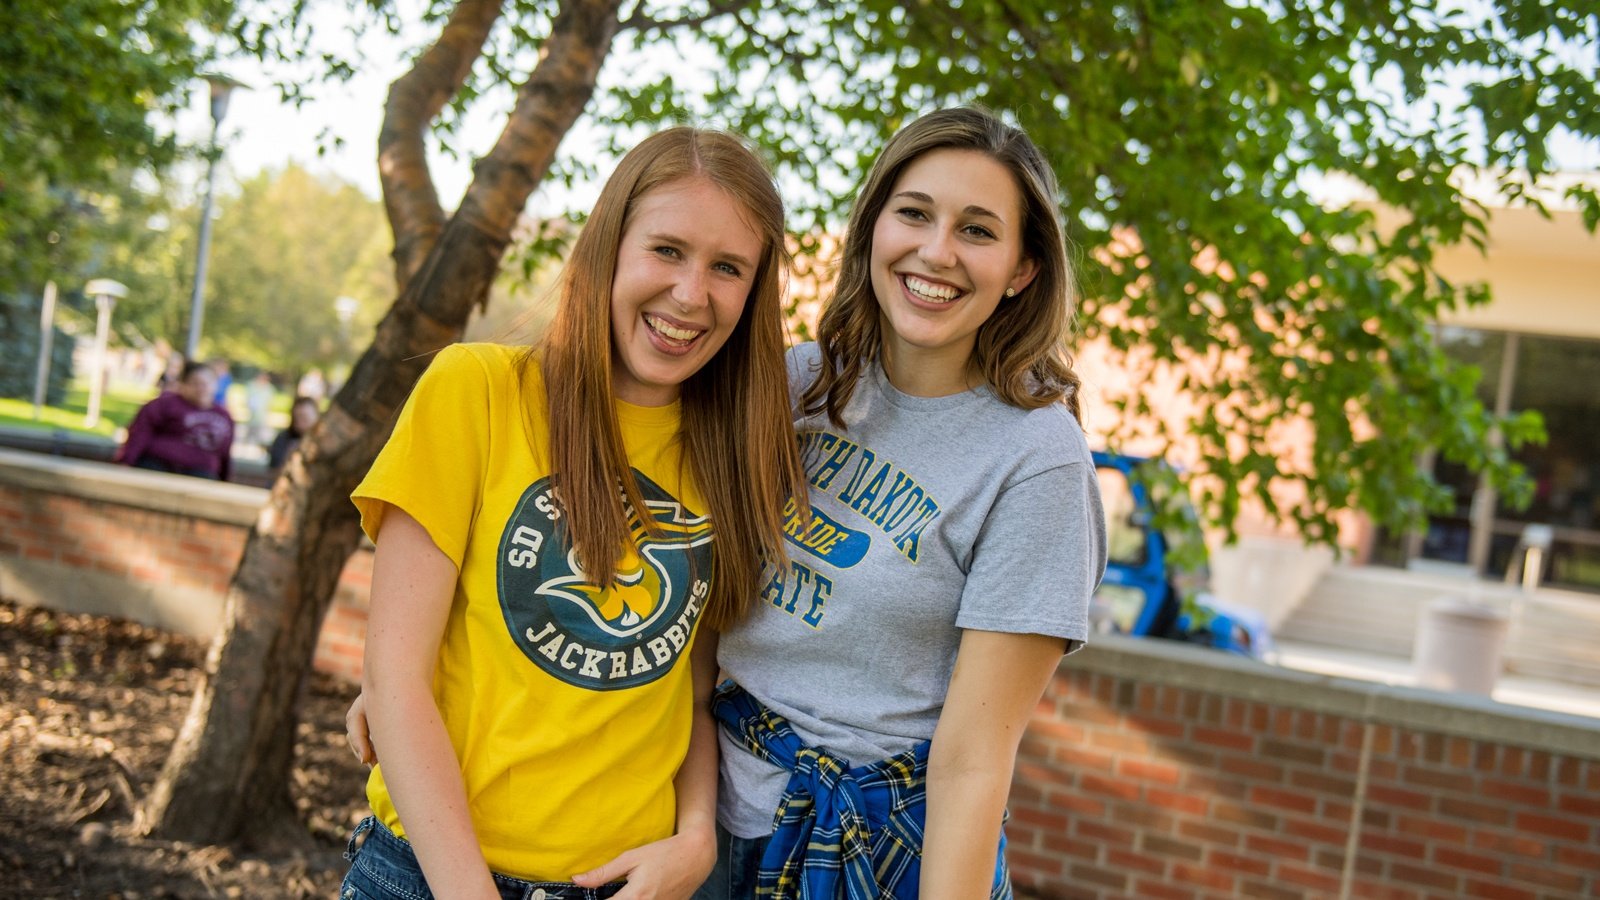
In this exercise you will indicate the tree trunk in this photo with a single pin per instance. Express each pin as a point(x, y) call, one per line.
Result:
point(228, 774)
point(415, 99)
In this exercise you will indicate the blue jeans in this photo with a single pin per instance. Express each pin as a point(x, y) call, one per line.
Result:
point(738, 859)
point(384, 867)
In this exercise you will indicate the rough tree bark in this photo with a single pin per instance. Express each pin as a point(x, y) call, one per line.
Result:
point(227, 777)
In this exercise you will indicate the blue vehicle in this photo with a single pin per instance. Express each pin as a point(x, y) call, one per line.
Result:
point(1151, 571)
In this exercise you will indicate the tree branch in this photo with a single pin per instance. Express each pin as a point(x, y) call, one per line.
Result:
point(1053, 71)
point(642, 22)
point(548, 103)
point(415, 99)
point(781, 44)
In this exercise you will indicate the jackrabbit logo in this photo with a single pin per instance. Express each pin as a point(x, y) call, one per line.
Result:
point(627, 635)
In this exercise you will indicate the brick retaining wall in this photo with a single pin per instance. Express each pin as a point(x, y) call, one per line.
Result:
point(156, 548)
point(1151, 769)
point(1173, 772)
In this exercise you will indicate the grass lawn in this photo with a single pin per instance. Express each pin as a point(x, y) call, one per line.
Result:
point(117, 408)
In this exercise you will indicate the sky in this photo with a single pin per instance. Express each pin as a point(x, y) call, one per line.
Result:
point(260, 131)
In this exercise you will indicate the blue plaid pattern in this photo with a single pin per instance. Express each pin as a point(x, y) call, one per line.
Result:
point(840, 833)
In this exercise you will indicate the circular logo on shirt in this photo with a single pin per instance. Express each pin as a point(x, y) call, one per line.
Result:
point(623, 636)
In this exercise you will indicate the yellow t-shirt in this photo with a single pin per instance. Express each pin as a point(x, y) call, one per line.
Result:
point(569, 707)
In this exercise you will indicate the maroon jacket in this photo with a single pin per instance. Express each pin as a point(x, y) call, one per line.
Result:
point(170, 430)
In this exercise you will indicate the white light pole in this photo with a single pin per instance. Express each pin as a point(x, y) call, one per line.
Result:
point(344, 308)
point(221, 87)
point(47, 334)
point(106, 293)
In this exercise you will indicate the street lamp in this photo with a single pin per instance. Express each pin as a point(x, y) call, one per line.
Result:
point(106, 293)
point(344, 308)
point(47, 333)
point(221, 87)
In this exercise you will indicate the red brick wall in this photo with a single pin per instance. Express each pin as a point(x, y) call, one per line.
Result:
point(344, 629)
point(149, 547)
point(139, 545)
point(1132, 789)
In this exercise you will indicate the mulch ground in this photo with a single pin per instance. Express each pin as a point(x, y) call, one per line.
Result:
point(89, 707)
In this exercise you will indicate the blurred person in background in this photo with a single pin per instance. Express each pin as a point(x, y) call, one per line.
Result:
point(184, 430)
point(258, 405)
point(302, 415)
point(224, 374)
point(172, 370)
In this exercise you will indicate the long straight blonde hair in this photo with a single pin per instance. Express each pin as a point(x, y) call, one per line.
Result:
point(738, 436)
point(1022, 349)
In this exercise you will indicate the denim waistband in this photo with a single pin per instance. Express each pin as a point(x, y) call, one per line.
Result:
point(387, 859)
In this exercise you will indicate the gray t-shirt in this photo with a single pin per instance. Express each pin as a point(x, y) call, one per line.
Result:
point(930, 515)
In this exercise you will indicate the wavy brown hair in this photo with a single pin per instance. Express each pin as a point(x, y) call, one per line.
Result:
point(1022, 349)
point(737, 433)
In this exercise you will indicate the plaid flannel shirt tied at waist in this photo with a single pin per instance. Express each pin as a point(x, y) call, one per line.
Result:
point(840, 833)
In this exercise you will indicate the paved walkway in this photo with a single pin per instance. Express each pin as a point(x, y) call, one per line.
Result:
point(1515, 690)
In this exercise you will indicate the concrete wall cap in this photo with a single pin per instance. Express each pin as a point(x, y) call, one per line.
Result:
point(216, 501)
point(1155, 661)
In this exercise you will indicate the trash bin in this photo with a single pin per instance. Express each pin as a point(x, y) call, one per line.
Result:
point(1458, 646)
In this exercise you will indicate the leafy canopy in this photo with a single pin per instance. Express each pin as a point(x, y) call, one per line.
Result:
point(286, 247)
point(80, 86)
point(1193, 140)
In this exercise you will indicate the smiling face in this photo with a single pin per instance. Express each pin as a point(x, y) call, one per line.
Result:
point(685, 267)
point(946, 246)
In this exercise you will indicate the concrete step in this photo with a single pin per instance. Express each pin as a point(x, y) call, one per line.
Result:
point(1348, 609)
point(1378, 610)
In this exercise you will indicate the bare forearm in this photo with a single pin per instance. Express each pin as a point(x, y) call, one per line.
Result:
point(696, 790)
point(696, 781)
point(424, 780)
point(965, 810)
point(997, 681)
point(675, 866)
point(412, 585)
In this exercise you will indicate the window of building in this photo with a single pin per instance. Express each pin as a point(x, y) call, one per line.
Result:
point(1560, 378)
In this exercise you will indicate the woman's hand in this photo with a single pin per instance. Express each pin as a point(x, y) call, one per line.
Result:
point(670, 868)
point(355, 730)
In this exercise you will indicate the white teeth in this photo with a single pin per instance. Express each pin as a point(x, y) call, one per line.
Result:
point(930, 291)
point(668, 330)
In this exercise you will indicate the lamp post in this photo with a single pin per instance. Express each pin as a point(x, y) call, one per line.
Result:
point(344, 308)
point(221, 87)
point(47, 333)
point(106, 293)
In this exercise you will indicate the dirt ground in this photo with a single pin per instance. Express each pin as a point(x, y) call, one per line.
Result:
point(89, 707)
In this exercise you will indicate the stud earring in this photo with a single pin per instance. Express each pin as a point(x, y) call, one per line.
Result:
point(1011, 292)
